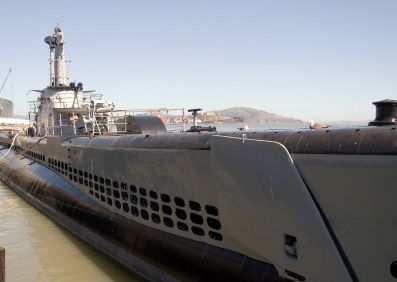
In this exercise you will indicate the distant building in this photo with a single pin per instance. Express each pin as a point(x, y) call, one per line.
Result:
point(6, 108)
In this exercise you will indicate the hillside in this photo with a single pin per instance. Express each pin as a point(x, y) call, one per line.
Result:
point(249, 115)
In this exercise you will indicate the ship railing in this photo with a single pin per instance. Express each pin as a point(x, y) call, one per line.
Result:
point(116, 120)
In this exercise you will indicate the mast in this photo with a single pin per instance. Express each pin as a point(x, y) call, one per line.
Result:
point(5, 80)
point(57, 58)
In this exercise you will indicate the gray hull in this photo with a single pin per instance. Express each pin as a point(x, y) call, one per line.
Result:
point(207, 207)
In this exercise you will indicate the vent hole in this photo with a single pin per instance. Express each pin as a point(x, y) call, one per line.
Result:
point(196, 218)
point(143, 202)
point(179, 202)
point(211, 210)
point(155, 218)
point(142, 191)
point(182, 226)
point(133, 188)
point(393, 269)
point(181, 214)
point(214, 223)
point(134, 211)
point(153, 195)
point(167, 209)
point(198, 231)
point(144, 214)
point(165, 198)
point(215, 236)
point(168, 222)
point(154, 206)
point(194, 205)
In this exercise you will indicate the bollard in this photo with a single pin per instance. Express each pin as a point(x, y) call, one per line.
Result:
point(2, 265)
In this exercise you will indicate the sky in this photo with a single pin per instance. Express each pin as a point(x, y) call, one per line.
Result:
point(320, 60)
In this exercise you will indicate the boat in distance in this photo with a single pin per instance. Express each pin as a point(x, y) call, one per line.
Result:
point(205, 205)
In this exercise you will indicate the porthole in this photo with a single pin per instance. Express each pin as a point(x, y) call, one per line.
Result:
point(134, 199)
point(181, 214)
point(124, 196)
point(194, 205)
point(85, 174)
point(62, 165)
point(215, 236)
point(90, 184)
point(102, 189)
point(95, 178)
point(166, 209)
point(197, 230)
point(133, 188)
point(144, 214)
point(96, 195)
point(91, 192)
point(70, 169)
point(80, 172)
point(101, 180)
point(90, 176)
point(196, 218)
point(107, 182)
point(134, 211)
point(182, 226)
point(168, 222)
point(102, 198)
point(117, 204)
point(108, 191)
point(66, 167)
point(155, 218)
point(75, 178)
point(86, 182)
point(153, 195)
point(115, 184)
point(70, 177)
point(109, 201)
point(165, 198)
point(179, 202)
point(126, 207)
point(124, 186)
point(75, 170)
point(154, 206)
point(211, 210)
point(143, 202)
point(142, 191)
point(214, 223)
point(81, 180)
point(96, 187)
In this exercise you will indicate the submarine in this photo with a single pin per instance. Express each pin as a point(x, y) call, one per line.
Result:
point(206, 205)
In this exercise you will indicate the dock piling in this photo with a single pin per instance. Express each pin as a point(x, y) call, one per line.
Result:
point(2, 264)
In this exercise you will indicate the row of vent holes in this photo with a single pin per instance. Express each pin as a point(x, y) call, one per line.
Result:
point(35, 155)
point(213, 223)
point(167, 220)
point(181, 214)
point(165, 198)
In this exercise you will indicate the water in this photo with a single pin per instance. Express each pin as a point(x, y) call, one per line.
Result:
point(37, 249)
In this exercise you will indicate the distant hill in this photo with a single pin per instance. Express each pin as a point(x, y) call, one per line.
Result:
point(250, 115)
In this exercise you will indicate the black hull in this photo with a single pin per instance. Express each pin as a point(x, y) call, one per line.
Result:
point(153, 254)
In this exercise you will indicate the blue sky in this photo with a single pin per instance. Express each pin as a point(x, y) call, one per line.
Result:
point(321, 60)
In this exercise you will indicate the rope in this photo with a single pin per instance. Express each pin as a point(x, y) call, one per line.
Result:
point(17, 155)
